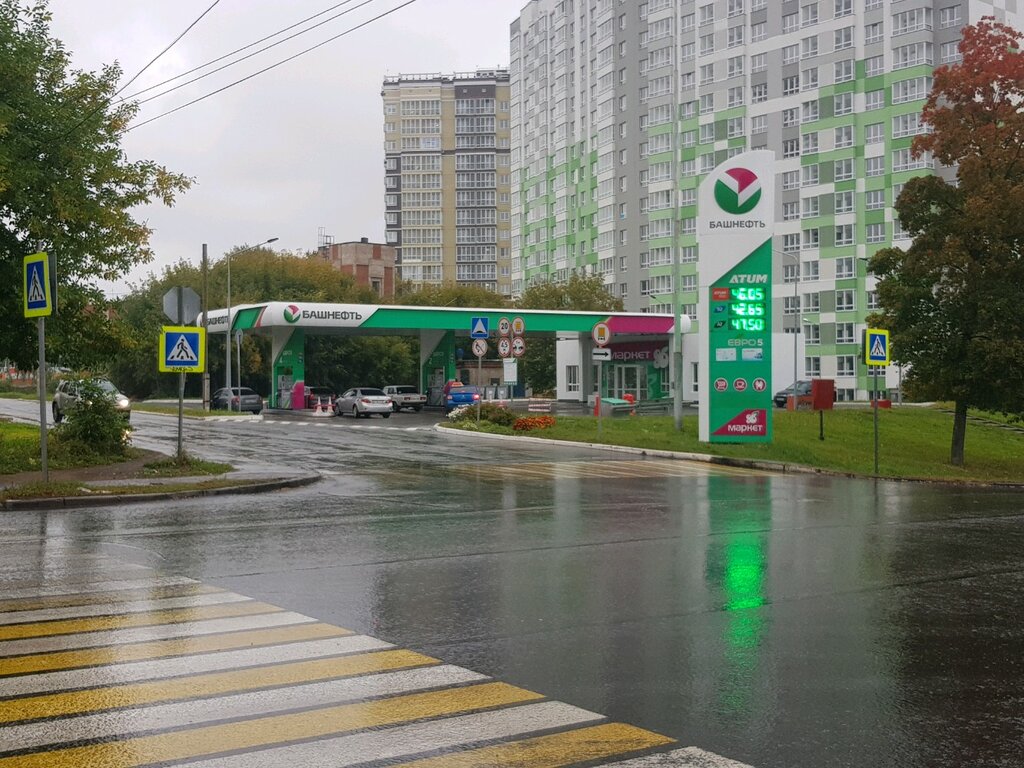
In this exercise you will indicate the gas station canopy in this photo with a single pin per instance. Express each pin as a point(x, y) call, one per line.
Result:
point(390, 320)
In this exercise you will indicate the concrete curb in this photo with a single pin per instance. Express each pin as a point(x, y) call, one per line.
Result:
point(728, 461)
point(99, 500)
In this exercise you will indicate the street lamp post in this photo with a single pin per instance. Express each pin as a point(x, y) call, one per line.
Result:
point(227, 341)
point(796, 310)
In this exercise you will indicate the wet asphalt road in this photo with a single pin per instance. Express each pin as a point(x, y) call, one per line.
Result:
point(777, 620)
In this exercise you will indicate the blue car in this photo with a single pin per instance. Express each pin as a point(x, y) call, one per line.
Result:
point(464, 395)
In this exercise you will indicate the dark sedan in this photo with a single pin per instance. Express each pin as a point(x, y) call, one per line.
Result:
point(236, 399)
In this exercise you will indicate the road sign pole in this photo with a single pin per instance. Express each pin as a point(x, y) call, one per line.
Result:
point(181, 415)
point(600, 387)
point(874, 386)
point(181, 376)
point(479, 378)
point(41, 381)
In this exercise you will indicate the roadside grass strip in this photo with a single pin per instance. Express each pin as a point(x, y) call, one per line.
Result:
point(116, 672)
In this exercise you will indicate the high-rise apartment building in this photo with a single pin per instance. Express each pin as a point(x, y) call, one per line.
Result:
point(447, 206)
point(619, 109)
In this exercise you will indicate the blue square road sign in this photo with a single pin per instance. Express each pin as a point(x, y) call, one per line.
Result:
point(36, 286)
point(876, 350)
point(182, 349)
point(479, 328)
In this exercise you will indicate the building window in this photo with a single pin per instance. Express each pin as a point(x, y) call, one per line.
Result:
point(845, 364)
point(844, 202)
point(874, 166)
point(844, 235)
point(874, 65)
point(845, 333)
point(842, 104)
point(949, 16)
point(845, 301)
point(843, 71)
point(875, 233)
point(844, 265)
point(572, 378)
point(843, 169)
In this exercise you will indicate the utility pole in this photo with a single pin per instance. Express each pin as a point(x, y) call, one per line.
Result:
point(206, 320)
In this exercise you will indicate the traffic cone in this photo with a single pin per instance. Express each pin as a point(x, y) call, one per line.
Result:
point(319, 411)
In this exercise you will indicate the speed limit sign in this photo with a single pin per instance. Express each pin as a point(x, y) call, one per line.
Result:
point(504, 346)
point(504, 326)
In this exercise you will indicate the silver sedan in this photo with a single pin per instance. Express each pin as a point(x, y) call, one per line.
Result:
point(362, 401)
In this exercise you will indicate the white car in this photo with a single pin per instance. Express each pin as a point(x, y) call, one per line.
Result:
point(405, 396)
point(363, 401)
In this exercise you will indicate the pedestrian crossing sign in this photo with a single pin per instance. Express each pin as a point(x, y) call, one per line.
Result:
point(36, 286)
point(182, 349)
point(876, 350)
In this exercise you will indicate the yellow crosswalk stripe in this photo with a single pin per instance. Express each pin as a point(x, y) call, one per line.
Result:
point(210, 684)
point(98, 598)
point(162, 649)
point(559, 749)
point(151, 618)
point(277, 729)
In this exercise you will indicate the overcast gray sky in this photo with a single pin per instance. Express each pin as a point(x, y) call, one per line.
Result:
point(292, 150)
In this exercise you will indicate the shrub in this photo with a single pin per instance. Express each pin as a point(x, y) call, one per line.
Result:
point(94, 425)
point(527, 423)
point(489, 412)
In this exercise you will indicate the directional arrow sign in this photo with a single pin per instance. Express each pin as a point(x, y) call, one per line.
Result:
point(601, 354)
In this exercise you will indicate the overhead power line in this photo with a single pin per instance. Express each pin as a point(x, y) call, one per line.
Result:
point(107, 102)
point(245, 48)
point(165, 50)
point(272, 66)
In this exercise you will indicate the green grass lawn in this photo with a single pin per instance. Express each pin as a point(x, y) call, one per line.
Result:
point(186, 411)
point(186, 466)
point(913, 442)
point(19, 394)
point(19, 451)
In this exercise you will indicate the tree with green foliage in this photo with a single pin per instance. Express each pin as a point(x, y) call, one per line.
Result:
point(257, 276)
point(580, 294)
point(67, 187)
point(952, 298)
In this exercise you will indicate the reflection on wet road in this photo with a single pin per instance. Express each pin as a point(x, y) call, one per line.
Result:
point(778, 620)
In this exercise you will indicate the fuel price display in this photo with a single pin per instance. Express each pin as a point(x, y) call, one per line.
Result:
point(747, 309)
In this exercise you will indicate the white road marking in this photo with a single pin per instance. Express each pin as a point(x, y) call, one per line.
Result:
point(145, 634)
point(51, 590)
point(400, 741)
point(126, 722)
point(135, 671)
point(688, 757)
point(105, 609)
